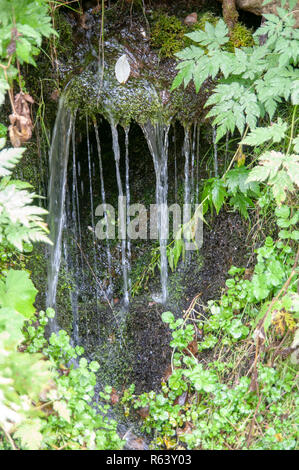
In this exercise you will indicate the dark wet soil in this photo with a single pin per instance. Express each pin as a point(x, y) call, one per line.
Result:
point(150, 337)
point(223, 246)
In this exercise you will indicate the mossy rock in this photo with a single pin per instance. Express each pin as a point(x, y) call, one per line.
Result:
point(168, 32)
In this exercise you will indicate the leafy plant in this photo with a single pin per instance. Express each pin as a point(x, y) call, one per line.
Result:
point(72, 420)
point(23, 24)
point(255, 79)
point(207, 404)
point(234, 188)
point(201, 406)
point(23, 375)
point(20, 221)
point(279, 170)
point(45, 403)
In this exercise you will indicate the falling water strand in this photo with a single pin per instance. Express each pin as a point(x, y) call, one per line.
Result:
point(71, 268)
point(58, 160)
point(215, 152)
point(186, 151)
point(197, 163)
point(74, 185)
point(77, 269)
point(90, 178)
point(192, 162)
point(92, 208)
point(157, 139)
point(75, 197)
point(103, 194)
point(122, 211)
point(128, 197)
point(175, 165)
point(186, 211)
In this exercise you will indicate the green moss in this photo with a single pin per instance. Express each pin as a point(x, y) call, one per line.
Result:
point(136, 100)
point(3, 130)
point(168, 32)
point(63, 300)
point(240, 36)
point(167, 35)
point(65, 43)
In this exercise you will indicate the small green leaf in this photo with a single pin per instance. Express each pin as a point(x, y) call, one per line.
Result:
point(168, 317)
point(218, 194)
point(18, 292)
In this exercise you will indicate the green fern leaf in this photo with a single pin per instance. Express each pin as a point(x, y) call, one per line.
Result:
point(8, 159)
point(276, 132)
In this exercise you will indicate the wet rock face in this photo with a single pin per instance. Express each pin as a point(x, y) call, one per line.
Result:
point(94, 89)
point(257, 8)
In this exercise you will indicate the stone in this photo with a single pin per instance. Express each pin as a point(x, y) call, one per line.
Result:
point(191, 19)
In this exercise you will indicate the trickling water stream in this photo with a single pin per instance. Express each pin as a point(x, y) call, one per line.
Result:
point(128, 196)
point(97, 276)
point(186, 151)
point(122, 212)
point(92, 263)
point(103, 194)
point(95, 267)
point(192, 192)
point(157, 139)
point(58, 161)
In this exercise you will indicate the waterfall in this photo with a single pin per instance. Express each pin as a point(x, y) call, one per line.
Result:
point(157, 140)
point(76, 229)
point(71, 269)
point(103, 194)
point(75, 198)
point(197, 164)
point(175, 166)
point(128, 198)
point(193, 162)
point(157, 137)
point(92, 209)
point(58, 160)
point(122, 211)
point(186, 151)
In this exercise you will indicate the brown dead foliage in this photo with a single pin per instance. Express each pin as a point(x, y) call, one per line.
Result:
point(192, 348)
point(143, 412)
point(114, 396)
point(21, 126)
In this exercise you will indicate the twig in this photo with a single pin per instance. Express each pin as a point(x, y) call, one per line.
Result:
point(191, 306)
